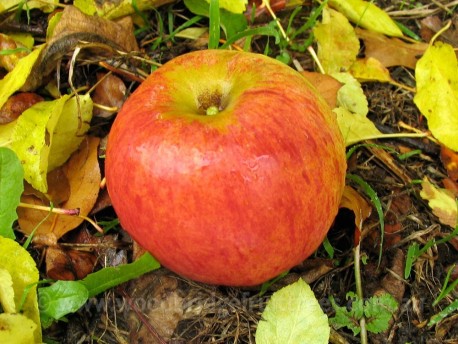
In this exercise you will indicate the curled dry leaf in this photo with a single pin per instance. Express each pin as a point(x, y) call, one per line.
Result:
point(433, 24)
point(75, 27)
point(110, 93)
point(370, 69)
point(69, 265)
point(450, 160)
point(83, 173)
point(17, 104)
point(326, 85)
point(390, 51)
point(352, 200)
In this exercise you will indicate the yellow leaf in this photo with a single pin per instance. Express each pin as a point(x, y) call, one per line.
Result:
point(17, 329)
point(24, 275)
point(370, 69)
point(7, 292)
point(436, 74)
point(442, 202)
point(47, 133)
point(235, 6)
point(367, 15)
point(338, 45)
point(6, 131)
point(15, 79)
point(354, 127)
point(351, 96)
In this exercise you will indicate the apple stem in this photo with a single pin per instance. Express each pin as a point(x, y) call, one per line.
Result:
point(212, 110)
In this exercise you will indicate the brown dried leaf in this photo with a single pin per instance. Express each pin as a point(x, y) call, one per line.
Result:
point(391, 51)
point(17, 104)
point(58, 191)
point(450, 160)
point(8, 61)
point(83, 173)
point(431, 25)
point(326, 85)
point(68, 265)
point(352, 200)
point(110, 92)
point(74, 27)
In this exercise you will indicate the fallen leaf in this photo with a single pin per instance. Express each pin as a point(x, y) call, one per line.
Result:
point(6, 292)
point(451, 186)
point(370, 69)
point(83, 173)
point(68, 265)
point(293, 315)
point(351, 95)
point(110, 92)
point(17, 329)
point(73, 27)
point(235, 6)
point(47, 133)
point(16, 79)
point(9, 61)
point(112, 9)
point(391, 51)
point(6, 131)
point(367, 15)
point(338, 45)
point(24, 276)
point(433, 24)
point(11, 187)
point(45, 6)
point(352, 200)
point(442, 203)
point(437, 92)
point(355, 128)
point(326, 85)
point(450, 161)
point(16, 105)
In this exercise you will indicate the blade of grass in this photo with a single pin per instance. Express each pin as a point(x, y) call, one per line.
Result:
point(214, 27)
point(261, 31)
point(377, 204)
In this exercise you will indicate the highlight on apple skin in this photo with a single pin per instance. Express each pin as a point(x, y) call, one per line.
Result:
point(226, 166)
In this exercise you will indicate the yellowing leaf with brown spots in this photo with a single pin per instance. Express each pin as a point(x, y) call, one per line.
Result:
point(442, 202)
point(370, 69)
point(436, 74)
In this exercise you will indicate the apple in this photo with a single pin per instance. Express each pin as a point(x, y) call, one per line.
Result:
point(226, 166)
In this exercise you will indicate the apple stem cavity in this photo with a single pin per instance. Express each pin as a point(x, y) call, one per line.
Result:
point(212, 111)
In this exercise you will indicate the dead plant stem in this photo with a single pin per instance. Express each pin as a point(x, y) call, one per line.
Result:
point(359, 291)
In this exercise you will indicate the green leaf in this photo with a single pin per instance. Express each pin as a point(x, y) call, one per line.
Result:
point(11, 188)
point(436, 74)
point(65, 297)
point(293, 315)
point(378, 311)
point(24, 276)
point(15, 79)
point(367, 15)
point(214, 30)
point(107, 278)
point(61, 298)
point(347, 317)
point(47, 133)
point(231, 23)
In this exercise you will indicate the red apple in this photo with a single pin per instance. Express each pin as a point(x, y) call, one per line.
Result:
point(226, 166)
